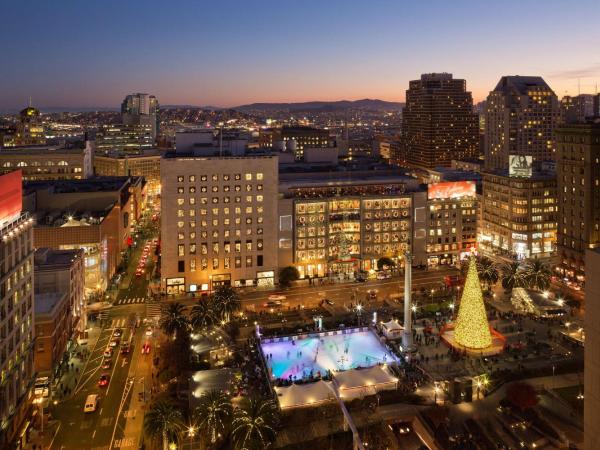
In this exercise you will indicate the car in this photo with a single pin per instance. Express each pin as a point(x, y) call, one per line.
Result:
point(149, 331)
point(114, 342)
point(138, 273)
point(125, 348)
point(91, 403)
point(329, 302)
point(104, 379)
point(146, 348)
point(106, 364)
point(383, 275)
point(402, 427)
point(372, 294)
point(360, 279)
point(118, 332)
point(108, 352)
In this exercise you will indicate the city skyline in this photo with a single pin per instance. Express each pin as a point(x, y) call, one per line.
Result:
point(266, 54)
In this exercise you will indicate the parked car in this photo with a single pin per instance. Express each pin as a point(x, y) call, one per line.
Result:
point(108, 352)
point(106, 364)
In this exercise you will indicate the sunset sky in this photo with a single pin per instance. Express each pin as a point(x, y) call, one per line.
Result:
point(92, 53)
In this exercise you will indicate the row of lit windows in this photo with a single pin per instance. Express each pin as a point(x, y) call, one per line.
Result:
point(215, 200)
point(216, 222)
point(226, 263)
point(215, 211)
point(236, 188)
point(225, 177)
point(216, 246)
point(204, 234)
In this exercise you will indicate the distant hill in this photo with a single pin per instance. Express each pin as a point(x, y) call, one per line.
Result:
point(366, 104)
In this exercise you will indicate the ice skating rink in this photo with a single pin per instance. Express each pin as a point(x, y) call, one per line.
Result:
point(301, 358)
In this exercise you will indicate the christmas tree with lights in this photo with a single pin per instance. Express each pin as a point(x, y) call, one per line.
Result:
point(472, 329)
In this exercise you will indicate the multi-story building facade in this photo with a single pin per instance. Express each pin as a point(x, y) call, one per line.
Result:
point(452, 219)
point(295, 139)
point(118, 164)
point(578, 180)
point(96, 215)
point(30, 128)
point(576, 109)
point(48, 162)
point(218, 221)
point(520, 116)
point(124, 138)
point(592, 353)
point(141, 109)
point(438, 123)
point(340, 227)
point(63, 271)
point(519, 215)
point(52, 319)
point(16, 313)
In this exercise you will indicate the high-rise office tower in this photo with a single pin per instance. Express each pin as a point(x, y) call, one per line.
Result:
point(140, 109)
point(578, 181)
point(438, 122)
point(520, 117)
point(576, 109)
point(16, 313)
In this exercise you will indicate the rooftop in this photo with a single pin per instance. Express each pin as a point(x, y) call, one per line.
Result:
point(96, 184)
point(40, 149)
point(521, 84)
point(119, 154)
point(50, 258)
point(47, 302)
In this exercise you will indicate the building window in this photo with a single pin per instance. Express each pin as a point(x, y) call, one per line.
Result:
point(192, 178)
point(180, 178)
point(259, 260)
point(248, 246)
point(181, 250)
point(238, 262)
point(193, 265)
point(203, 264)
point(192, 249)
point(259, 176)
point(248, 261)
point(181, 266)
point(215, 263)
point(226, 263)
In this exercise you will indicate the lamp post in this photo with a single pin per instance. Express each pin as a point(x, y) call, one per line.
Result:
point(191, 434)
point(359, 309)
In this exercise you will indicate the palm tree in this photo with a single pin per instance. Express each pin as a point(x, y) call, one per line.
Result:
point(512, 276)
point(172, 319)
point(254, 423)
point(203, 315)
point(487, 271)
point(538, 275)
point(226, 301)
point(163, 421)
point(214, 414)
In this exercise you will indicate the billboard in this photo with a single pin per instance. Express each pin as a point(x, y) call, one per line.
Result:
point(520, 166)
point(450, 190)
point(11, 196)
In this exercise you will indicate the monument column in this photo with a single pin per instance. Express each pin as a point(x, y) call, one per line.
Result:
point(407, 340)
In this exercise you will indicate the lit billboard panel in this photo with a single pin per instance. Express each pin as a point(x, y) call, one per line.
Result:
point(520, 166)
point(11, 196)
point(451, 189)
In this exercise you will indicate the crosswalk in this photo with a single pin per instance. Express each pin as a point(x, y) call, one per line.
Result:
point(130, 301)
point(153, 310)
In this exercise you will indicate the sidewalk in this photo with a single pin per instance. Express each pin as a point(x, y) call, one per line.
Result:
point(74, 368)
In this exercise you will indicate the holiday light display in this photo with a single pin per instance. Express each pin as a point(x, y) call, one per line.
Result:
point(472, 329)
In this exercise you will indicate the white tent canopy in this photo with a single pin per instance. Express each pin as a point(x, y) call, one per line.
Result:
point(298, 395)
point(359, 383)
point(392, 329)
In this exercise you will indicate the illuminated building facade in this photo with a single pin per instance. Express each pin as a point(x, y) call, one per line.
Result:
point(438, 123)
point(519, 215)
point(145, 164)
point(30, 128)
point(303, 137)
point(345, 226)
point(578, 179)
point(141, 109)
point(16, 313)
point(452, 220)
point(520, 116)
point(48, 163)
point(218, 221)
point(124, 138)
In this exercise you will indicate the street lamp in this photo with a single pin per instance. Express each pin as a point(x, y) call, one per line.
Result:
point(359, 309)
point(191, 434)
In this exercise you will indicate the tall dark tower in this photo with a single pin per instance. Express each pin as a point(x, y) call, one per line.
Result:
point(438, 122)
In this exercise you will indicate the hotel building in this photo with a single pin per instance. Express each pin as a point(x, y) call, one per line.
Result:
point(16, 313)
point(218, 221)
point(519, 215)
point(578, 179)
point(118, 164)
point(520, 116)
